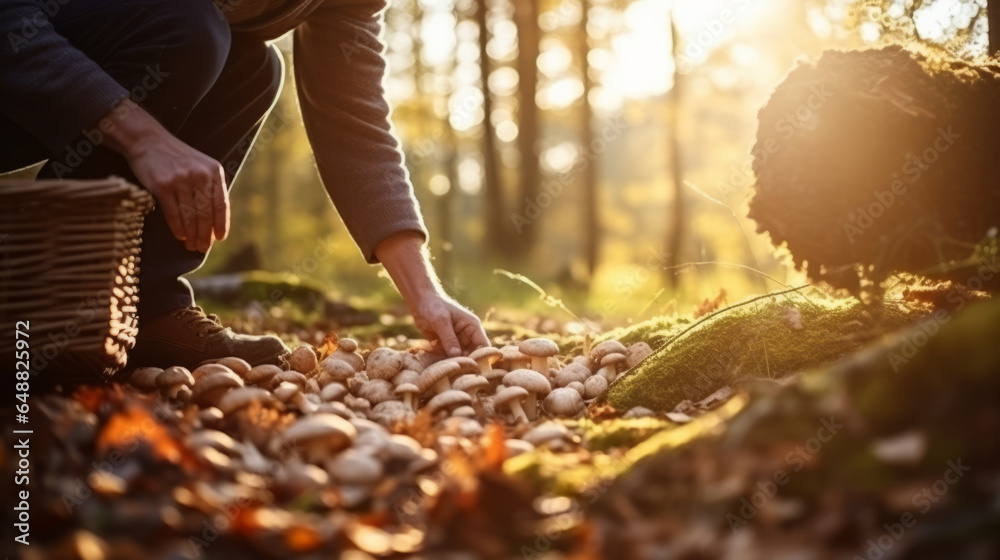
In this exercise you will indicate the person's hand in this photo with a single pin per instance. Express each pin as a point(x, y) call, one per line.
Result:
point(451, 328)
point(189, 186)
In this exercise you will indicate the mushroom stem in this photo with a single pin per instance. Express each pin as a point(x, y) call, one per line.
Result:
point(517, 411)
point(408, 400)
point(303, 404)
point(442, 385)
point(484, 365)
point(531, 406)
point(608, 372)
point(540, 364)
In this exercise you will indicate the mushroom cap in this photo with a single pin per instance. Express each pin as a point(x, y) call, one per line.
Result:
point(328, 428)
point(529, 379)
point(335, 369)
point(465, 411)
point(571, 373)
point(448, 400)
point(144, 378)
point(406, 377)
point(508, 394)
point(352, 359)
point(262, 374)
point(434, 372)
point(511, 354)
point(465, 365)
point(546, 432)
point(564, 402)
point(602, 349)
point(176, 375)
point(612, 359)
point(286, 390)
point(637, 353)
point(578, 387)
point(407, 388)
point(584, 361)
point(354, 467)
point(239, 366)
point(412, 363)
point(470, 383)
point(538, 348)
point(208, 389)
point(383, 363)
point(486, 353)
point(594, 386)
point(494, 374)
point(332, 392)
point(303, 359)
point(243, 397)
point(347, 344)
point(209, 369)
point(376, 391)
point(290, 376)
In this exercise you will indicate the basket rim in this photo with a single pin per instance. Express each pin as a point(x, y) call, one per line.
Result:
point(112, 186)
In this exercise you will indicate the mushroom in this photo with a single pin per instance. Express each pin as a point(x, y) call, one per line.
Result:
point(238, 399)
point(144, 378)
point(332, 392)
point(531, 381)
point(486, 357)
point(407, 391)
point(598, 352)
point(571, 373)
point(355, 383)
point(495, 376)
point(609, 366)
point(319, 436)
point(210, 369)
point(347, 352)
point(411, 362)
point(291, 393)
point(239, 366)
point(391, 412)
point(437, 376)
point(564, 402)
point(406, 376)
point(511, 397)
point(354, 467)
point(334, 369)
point(516, 447)
point(376, 391)
point(594, 386)
point(173, 379)
point(578, 387)
point(303, 359)
point(637, 353)
point(262, 375)
point(383, 363)
point(448, 400)
point(540, 350)
point(209, 389)
point(513, 358)
point(552, 434)
point(347, 344)
point(290, 376)
point(471, 384)
point(464, 411)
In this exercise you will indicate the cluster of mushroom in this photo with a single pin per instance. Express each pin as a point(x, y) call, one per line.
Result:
point(514, 382)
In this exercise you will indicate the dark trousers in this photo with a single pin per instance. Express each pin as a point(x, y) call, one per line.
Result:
point(208, 86)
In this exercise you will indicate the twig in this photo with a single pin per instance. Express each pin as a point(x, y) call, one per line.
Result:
point(542, 294)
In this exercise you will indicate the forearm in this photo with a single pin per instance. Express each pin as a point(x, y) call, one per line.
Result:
point(406, 260)
point(130, 130)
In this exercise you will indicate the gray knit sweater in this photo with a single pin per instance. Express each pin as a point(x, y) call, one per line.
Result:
point(54, 91)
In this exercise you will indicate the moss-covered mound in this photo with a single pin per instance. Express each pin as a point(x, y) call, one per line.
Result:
point(769, 338)
point(878, 161)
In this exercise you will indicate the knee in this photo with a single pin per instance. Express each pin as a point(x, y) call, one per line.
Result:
point(197, 42)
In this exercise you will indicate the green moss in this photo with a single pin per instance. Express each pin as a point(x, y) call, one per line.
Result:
point(759, 339)
point(617, 432)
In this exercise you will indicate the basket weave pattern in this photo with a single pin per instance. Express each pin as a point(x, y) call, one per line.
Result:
point(70, 264)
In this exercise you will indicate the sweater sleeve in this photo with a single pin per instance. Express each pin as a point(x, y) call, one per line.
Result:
point(339, 70)
point(47, 86)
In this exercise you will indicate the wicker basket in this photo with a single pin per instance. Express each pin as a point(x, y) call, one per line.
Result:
point(70, 258)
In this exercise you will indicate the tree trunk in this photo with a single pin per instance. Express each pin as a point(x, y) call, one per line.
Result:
point(495, 207)
point(675, 241)
point(591, 219)
point(528, 37)
point(993, 17)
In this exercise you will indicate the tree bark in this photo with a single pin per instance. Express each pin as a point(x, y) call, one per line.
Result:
point(675, 241)
point(528, 38)
point(591, 219)
point(495, 207)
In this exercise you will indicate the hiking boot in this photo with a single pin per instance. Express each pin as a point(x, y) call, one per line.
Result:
point(187, 337)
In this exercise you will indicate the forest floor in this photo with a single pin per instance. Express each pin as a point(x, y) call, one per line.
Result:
point(792, 426)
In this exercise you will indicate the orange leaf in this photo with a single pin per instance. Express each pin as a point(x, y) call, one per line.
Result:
point(91, 398)
point(127, 428)
point(302, 538)
point(328, 346)
point(495, 450)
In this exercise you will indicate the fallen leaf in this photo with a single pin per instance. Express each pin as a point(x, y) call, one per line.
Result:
point(328, 346)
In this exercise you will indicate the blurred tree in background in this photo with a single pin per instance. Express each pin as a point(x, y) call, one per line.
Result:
point(553, 138)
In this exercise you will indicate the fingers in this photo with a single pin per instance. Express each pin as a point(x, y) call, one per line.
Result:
point(445, 331)
point(172, 214)
point(204, 210)
point(188, 214)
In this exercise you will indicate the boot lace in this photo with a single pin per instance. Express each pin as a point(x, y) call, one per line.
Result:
point(196, 318)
